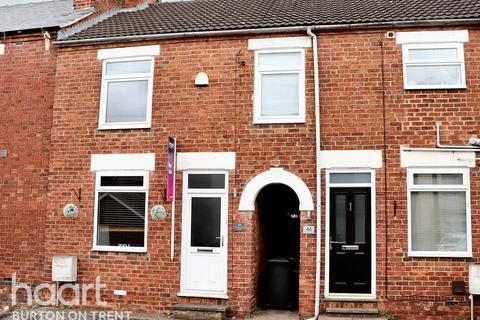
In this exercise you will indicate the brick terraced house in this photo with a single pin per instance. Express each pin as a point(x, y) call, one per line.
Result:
point(322, 157)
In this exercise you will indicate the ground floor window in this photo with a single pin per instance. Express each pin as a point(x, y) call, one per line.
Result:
point(439, 212)
point(120, 211)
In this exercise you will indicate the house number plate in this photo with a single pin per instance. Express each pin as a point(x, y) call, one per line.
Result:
point(308, 229)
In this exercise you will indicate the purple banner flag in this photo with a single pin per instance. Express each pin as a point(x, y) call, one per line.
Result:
point(171, 169)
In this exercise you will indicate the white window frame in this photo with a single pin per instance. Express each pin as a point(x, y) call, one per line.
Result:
point(258, 118)
point(99, 188)
point(407, 62)
point(102, 123)
point(464, 187)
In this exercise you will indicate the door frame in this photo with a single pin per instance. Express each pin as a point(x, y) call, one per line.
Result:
point(371, 185)
point(186, 195)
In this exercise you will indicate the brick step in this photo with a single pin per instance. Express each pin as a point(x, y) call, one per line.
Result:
point(198, 312)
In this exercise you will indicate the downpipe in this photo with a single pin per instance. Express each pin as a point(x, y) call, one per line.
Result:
point(318, 172)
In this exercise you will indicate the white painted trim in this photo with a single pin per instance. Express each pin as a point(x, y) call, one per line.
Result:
point(440, 158)
point(419, 188)
point(99, 188)
point(257, 97)
point(139, 51)
point(432, 36)
point(275, 175)
point(277, 43)
point(2, 48)
point(205, 160)
point(132, 161)
point(106, 79)
point(373, 227)
point(351, 159)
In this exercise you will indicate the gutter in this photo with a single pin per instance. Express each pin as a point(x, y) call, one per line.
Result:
point(318, 172)
point(179, 35)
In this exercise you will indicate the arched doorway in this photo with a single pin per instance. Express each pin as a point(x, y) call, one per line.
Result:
point(277, 218)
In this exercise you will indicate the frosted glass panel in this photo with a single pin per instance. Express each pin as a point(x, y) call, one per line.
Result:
point(340, 218)
point(128, 67)
point(350, 177)
point(278, 61)
point(127, 101)
point(439, 221)
point(359, 203)
point(280, 96)
point(428, 54)
point(437, 179)
point(434, 75)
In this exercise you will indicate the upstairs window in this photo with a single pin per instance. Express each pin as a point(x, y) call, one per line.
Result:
point(433, 60)
point(279, 86)
point(439, 212)
point(127, 83)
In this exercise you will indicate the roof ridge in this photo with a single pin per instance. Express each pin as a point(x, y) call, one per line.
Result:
point(67, 32)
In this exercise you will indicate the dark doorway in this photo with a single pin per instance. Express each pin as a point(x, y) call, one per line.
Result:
point(278, 247)
point(350, 240)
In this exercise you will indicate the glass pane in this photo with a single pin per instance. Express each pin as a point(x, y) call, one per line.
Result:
point(280, 96)
point(340, 217)
point(433, 75)
point(116, 181)
point(350, 178)
point(128, 67)
point(121, 219)
point(439, 221)
point(427, 54)
point(438, 178)
point(127, 101)
point(279, 61)
point(205, 229)
point(206, 181)
point(359, 205)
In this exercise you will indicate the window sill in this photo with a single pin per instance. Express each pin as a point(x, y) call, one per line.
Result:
point(440, 255)
point(459, 87)
point(120, 249)
point(278, 120)
point(125, 126)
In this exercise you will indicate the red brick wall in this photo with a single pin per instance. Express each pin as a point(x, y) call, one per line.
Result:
point(219, 118)
point(27, 75)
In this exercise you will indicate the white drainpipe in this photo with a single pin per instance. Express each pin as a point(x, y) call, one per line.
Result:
point(318, 171)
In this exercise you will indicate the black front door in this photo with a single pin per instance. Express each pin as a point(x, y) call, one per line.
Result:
point(350, 240)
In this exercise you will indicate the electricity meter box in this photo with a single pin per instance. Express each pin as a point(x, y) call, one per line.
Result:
point(64, 268)
point(474, 278)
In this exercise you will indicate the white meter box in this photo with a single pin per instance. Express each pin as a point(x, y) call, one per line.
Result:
point(474, 278)
point(64, 268)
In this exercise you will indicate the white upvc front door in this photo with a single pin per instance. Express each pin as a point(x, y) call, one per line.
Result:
point(204, 234)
